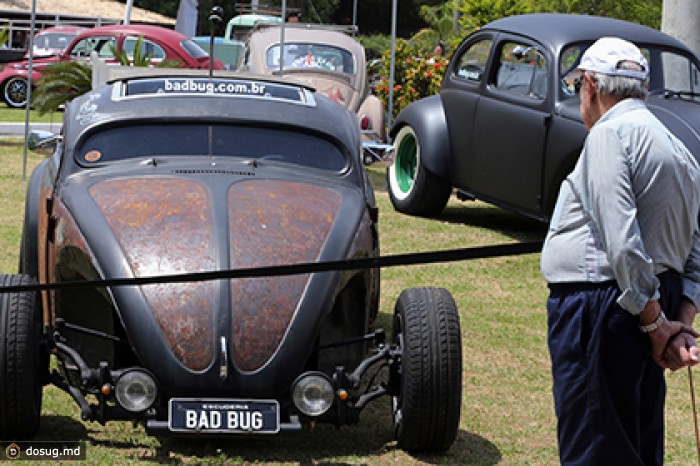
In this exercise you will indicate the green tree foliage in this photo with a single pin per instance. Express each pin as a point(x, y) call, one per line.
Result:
point(4, 36)
point(476, 13)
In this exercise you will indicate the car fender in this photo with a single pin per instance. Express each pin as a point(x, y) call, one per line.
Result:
point(427, 118)
point(28, 255)
point(372, 107)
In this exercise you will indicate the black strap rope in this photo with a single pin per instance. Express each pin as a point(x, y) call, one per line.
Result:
point(450, 255)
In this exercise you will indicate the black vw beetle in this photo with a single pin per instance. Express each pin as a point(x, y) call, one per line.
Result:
point(506, 128)
point(160, 174)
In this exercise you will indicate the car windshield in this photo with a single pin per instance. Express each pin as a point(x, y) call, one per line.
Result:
point(304, 56)
point(669, 70)
point(202, 140)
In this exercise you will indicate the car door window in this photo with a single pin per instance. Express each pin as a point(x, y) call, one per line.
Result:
point(472, 63)
point(100, 45)
point(522, 70)
point(680, 74)
point(148, 48)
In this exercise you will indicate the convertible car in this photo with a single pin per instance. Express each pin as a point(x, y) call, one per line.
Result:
point(162, 175)
point(506, 128)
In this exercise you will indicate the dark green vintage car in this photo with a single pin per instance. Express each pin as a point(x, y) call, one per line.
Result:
point(506, 128)
point(171, 172)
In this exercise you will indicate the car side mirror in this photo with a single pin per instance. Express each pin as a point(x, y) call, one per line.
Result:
point(43, 142)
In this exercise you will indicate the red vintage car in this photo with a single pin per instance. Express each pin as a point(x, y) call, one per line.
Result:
point(53, 40)
point(158, 42)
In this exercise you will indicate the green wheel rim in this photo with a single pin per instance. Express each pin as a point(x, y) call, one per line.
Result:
point(406, 162)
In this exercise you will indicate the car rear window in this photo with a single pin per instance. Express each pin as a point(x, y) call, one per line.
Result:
point(53, 40)
point(319, 56)
point(193, 49)
point(669, 70)
point(201, 140)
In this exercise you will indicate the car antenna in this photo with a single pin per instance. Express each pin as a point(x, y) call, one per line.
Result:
point(215, 17)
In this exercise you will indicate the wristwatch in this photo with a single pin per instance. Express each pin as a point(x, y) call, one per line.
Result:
point(648, 328)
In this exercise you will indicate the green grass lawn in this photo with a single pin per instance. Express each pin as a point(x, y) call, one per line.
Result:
point(507, 414)
point(18, 115)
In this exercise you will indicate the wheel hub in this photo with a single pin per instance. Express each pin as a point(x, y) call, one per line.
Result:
point(406, 162)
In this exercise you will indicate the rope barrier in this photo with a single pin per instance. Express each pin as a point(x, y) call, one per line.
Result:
point(450, 255)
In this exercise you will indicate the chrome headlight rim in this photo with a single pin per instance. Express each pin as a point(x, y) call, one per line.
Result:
point(313, 393)
point(136, 390)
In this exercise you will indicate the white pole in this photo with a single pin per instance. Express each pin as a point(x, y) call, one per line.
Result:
point(354, 17)
point(394, 10)
point(29, 88)
point(127, 13)
point(284, 20)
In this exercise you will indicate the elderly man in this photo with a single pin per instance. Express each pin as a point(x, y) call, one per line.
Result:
point(622, 259)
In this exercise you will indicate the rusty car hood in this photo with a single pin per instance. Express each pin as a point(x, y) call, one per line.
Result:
point(193, 219)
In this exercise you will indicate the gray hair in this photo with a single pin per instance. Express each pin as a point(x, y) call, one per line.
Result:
point(623, 86)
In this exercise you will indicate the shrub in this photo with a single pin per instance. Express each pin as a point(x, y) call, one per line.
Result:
point(416, 75)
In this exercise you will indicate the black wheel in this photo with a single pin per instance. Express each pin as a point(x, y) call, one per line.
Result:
point(413, 189)
point(23, 361)
point(15, 91)
point(427, 404)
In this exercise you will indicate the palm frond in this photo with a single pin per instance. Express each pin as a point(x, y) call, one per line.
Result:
point(61, 82)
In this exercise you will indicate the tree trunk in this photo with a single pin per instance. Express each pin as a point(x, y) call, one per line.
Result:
point(680, 19)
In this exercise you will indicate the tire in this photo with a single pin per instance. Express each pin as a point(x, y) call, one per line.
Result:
point(14, 92)
point(426, 407)
point(413, 189)
point(23, 361)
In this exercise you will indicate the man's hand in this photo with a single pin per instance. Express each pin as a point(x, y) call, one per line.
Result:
point(673, 344)
point(679, 354)
point(682, 350)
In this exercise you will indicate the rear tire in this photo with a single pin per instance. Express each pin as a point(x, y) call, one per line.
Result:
point(23, 361)
point(427, 407)
point(413, 189)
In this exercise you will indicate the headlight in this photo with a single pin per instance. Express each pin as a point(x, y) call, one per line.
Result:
point(20, 66)
point(136, 390)
point(312, 393)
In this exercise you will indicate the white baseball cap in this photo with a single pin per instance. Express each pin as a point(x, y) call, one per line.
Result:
point(607, 56)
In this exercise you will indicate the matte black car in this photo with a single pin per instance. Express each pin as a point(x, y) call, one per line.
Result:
point(167, 174)
point(506, 128)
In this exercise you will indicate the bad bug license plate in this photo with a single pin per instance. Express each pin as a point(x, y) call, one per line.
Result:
point(200, 415)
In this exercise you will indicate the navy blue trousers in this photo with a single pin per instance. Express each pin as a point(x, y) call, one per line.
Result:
point(608, 392)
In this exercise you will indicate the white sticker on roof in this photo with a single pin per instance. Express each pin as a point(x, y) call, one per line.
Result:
point(225, 87)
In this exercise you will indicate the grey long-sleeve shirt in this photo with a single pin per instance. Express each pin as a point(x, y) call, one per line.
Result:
point(628, 211)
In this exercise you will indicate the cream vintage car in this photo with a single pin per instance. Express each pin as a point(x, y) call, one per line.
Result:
point(325, 57)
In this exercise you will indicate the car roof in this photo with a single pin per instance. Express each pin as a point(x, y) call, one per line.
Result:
point(145, 30)
point(66, 29)
point(270, 34)
point(110, 105)
point(252, 18)
point(558, 29)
